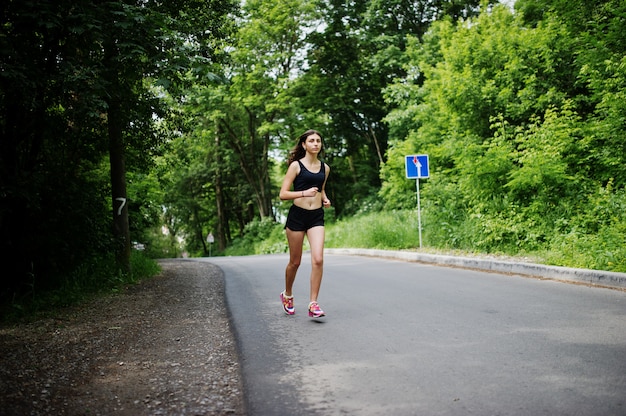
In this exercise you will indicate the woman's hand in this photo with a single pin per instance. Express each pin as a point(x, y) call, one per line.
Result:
point(311, 191)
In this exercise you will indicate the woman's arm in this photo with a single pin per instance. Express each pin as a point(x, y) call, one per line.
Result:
point(325, 200)
point(285, 190)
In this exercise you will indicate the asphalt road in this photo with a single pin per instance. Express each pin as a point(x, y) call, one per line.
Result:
point(403, 338)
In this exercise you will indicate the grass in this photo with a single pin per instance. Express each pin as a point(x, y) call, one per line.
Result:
point(92, 279)
point(395, 230)
point(398, 230)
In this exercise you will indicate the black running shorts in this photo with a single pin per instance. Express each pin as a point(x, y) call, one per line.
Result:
point(300, 219)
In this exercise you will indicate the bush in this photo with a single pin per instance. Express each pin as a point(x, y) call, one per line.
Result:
point(384, 230)
point(97, 276)
point(275, 243)
point(258, 236)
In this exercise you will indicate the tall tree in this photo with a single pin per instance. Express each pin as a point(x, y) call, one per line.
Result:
point(143, 40)
point(74, 75)
point(509, 111)
point(52, 142)
point(252, 111)
point(346, 90)
point(359, 52)
point(601, 81)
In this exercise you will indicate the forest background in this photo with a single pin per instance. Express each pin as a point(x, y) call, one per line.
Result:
point(134, 130)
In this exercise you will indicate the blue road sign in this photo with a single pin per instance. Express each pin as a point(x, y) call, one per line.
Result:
point(416, 166)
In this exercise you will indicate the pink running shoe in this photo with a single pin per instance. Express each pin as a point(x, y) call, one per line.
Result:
point(287, 304)
point(315, 311)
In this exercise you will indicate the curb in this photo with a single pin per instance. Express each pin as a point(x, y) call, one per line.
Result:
point(585, 276)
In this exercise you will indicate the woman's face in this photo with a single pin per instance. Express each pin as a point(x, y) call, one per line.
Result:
point(313, 143)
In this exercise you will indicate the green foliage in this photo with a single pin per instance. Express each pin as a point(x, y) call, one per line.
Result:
point(258, 230)
point(383, 230)
point(275, 243)
point(543, 158)
point(100, 275)
point(521, 124)
point(264, 236)
point(267, 237)
point(74, 75)
point(443, 231)
point(145, 205)
point(593, 237)
point(522, 115)
point(324, 66)
point(156, 244)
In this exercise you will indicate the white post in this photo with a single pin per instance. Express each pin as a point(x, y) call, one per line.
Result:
point(210, 239)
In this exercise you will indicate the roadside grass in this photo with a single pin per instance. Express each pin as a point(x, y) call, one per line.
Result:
point(398, 230)
point(87, 281)
point(393, 230)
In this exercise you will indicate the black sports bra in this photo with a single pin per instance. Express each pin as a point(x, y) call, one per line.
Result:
point(307, 179)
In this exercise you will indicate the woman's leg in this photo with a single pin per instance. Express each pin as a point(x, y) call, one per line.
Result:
point(315, 236)
point(295, 239)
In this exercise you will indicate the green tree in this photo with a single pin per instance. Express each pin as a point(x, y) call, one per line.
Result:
point(77, 94)
point(251, 113)
point(52, 180)
point(260, 88)
point(149, 40)
point(510, 110)
point(358, 52)
point(483, 80)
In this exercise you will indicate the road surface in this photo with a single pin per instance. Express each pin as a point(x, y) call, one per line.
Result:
point(403, 338)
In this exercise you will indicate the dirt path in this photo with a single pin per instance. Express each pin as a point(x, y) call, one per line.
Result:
point(163, 347)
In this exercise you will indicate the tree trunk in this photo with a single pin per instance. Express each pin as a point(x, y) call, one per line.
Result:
point(115, 126)
point(378, 152)
point(121, 232)
point(253, 160)
point(222, 221)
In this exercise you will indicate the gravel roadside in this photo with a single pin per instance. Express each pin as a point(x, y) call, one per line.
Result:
point(162, 347)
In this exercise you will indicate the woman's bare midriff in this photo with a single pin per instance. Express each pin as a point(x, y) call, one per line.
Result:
point(309, 202)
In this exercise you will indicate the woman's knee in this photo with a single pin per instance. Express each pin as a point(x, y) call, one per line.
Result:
point(295, 262)
point(317, 261)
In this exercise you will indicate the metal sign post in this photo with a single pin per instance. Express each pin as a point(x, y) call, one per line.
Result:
point(416, 168)
point(419, 211)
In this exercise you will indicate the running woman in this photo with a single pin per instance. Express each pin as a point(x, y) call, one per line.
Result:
point(307, 175)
